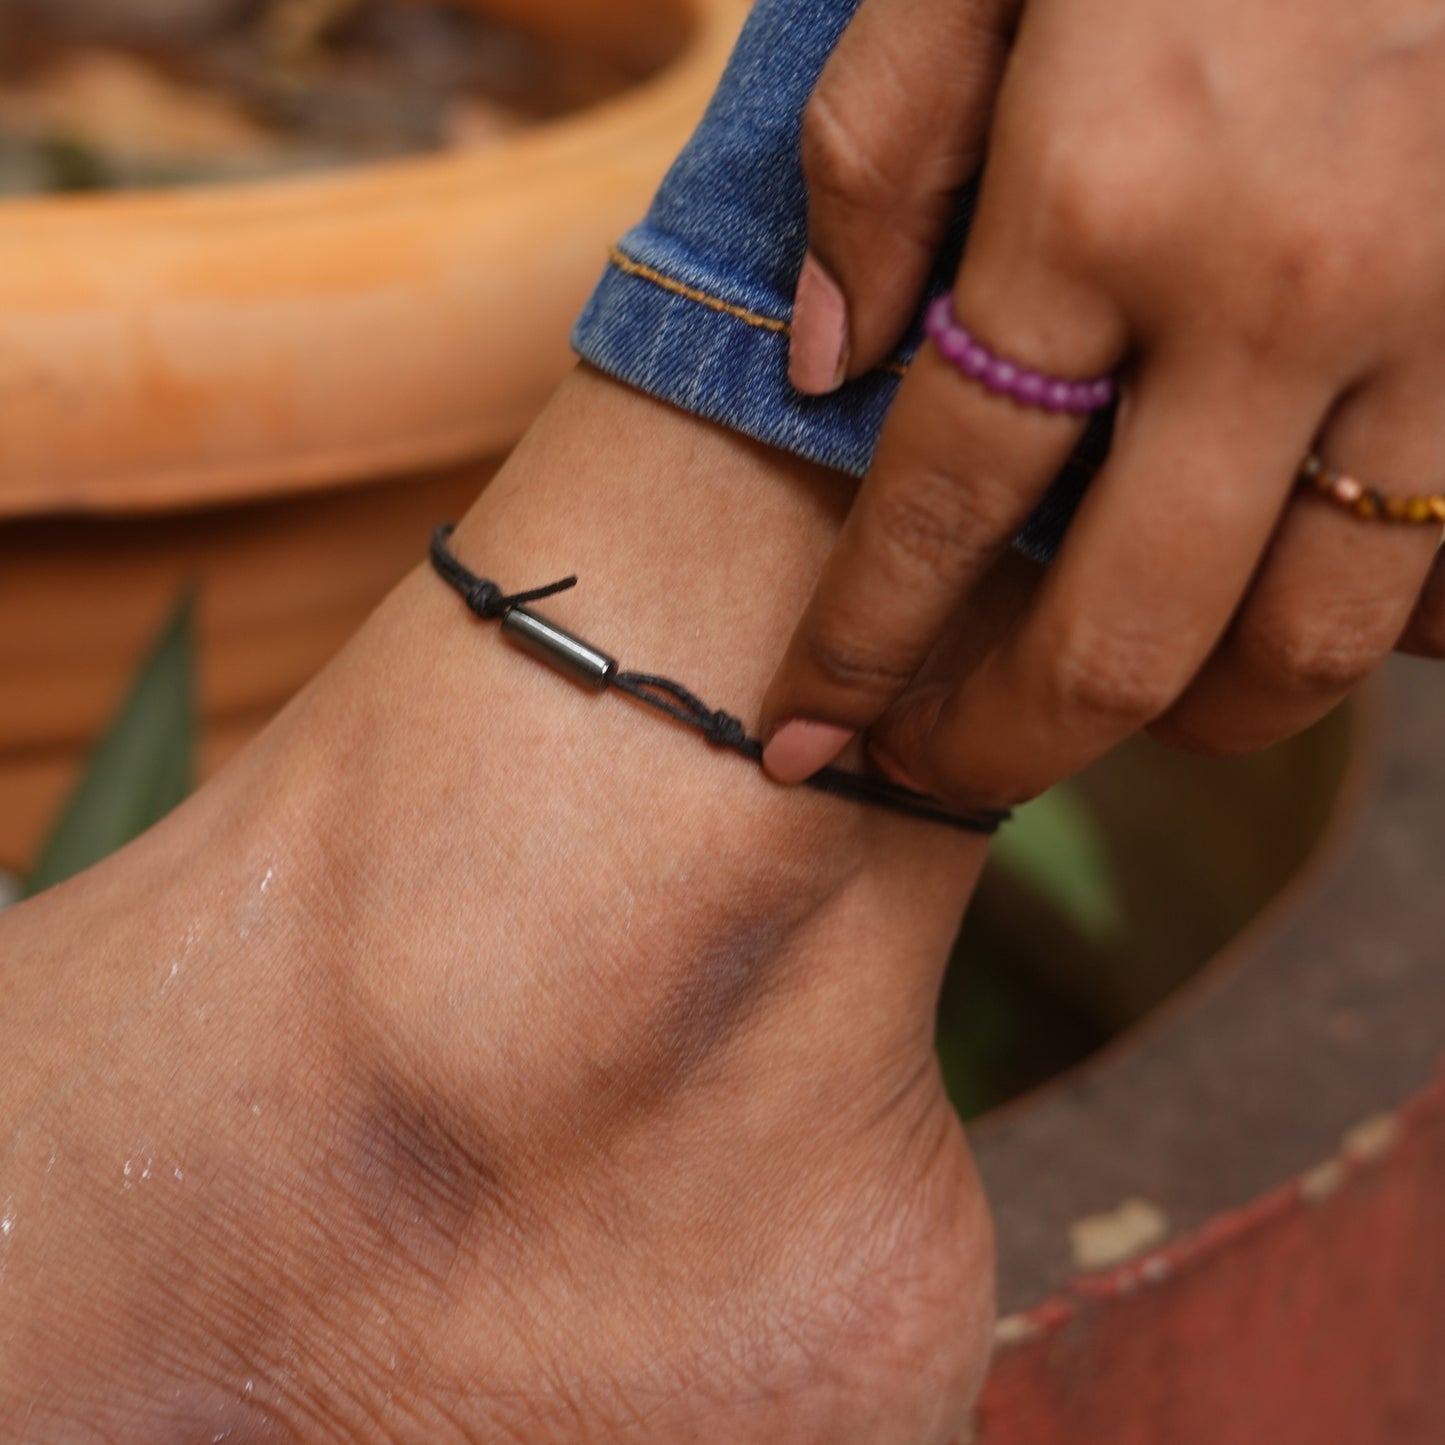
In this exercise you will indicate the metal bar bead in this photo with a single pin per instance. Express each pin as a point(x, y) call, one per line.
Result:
point(561, 649)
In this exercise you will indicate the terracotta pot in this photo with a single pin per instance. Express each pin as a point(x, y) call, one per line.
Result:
point(1226, 1230)
point(271, 391)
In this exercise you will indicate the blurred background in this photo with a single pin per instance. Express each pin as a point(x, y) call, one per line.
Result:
point(285, 279)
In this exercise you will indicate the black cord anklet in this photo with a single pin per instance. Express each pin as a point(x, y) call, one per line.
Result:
point(585, 664)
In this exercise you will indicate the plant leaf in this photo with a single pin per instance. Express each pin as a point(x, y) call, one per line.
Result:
point(973, 1042)
point(142, 768)
point(1055, 848)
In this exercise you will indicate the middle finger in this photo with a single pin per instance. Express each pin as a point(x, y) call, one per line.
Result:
point(1152, 569)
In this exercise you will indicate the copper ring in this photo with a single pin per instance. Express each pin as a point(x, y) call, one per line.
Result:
point(1366, 501)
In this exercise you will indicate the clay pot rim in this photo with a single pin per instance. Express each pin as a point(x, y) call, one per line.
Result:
point(439, 234)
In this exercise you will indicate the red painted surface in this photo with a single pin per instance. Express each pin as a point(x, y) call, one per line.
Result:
point(1312, 1316)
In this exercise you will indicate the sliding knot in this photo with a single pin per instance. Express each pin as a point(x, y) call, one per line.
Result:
point(723, 730)
point(486, 599)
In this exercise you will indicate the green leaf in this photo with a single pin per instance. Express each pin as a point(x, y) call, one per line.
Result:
point(142, 768)
point(976, 1041)
point(1055, 848)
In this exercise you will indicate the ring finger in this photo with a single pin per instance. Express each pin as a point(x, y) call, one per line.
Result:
point(1335, 591)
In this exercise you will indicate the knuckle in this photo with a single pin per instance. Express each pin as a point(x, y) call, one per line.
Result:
point(1300, 285)
point(1311, 273)
point(933, 524)
point(1120, 679)
point(854, 667)
point(1078, 205)
point(839, 159)
point(1313, 658)
point(1101, 202)
point(1310, 265)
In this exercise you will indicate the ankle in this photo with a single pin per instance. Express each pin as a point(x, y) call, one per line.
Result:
point(495, 835)
point(696, 551)
point(498, 979)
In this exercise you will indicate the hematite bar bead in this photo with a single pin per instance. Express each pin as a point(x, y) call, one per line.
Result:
point(552, 644)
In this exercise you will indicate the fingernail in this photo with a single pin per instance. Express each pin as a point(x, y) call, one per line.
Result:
point(799, 748)
point(819, 353)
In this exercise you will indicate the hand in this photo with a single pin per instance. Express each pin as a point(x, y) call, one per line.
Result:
point(1240, 205)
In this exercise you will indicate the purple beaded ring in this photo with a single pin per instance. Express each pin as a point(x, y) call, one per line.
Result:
point(1008, 378)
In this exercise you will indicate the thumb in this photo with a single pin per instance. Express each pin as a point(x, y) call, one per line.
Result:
point(893, 131)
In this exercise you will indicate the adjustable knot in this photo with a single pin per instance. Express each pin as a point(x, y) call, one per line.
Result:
point(486, 599)
point(723, 730)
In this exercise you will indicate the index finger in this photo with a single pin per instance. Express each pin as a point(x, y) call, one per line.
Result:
point(959, 469)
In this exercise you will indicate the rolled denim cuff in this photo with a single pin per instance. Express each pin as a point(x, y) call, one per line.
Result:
point(695, 304)
point(654, 323)
point(660, 324)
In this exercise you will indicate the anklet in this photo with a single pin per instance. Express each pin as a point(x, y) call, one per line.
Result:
point(585, 664)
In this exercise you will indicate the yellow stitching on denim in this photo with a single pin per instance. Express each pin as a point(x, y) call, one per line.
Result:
point(628, 266)
point(625, 263)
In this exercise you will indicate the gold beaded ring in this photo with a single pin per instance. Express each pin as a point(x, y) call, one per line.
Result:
point(1368, 502)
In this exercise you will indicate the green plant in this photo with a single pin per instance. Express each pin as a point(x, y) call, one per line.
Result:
point(1003, 1027)
point(142, 768)
point(1056, 849)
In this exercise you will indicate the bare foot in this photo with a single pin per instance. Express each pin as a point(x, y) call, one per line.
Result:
point(479, 1059)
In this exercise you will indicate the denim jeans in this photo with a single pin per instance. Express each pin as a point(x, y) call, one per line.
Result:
point(694, 305)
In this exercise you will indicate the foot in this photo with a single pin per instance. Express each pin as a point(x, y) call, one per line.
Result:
point(478, 1059)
